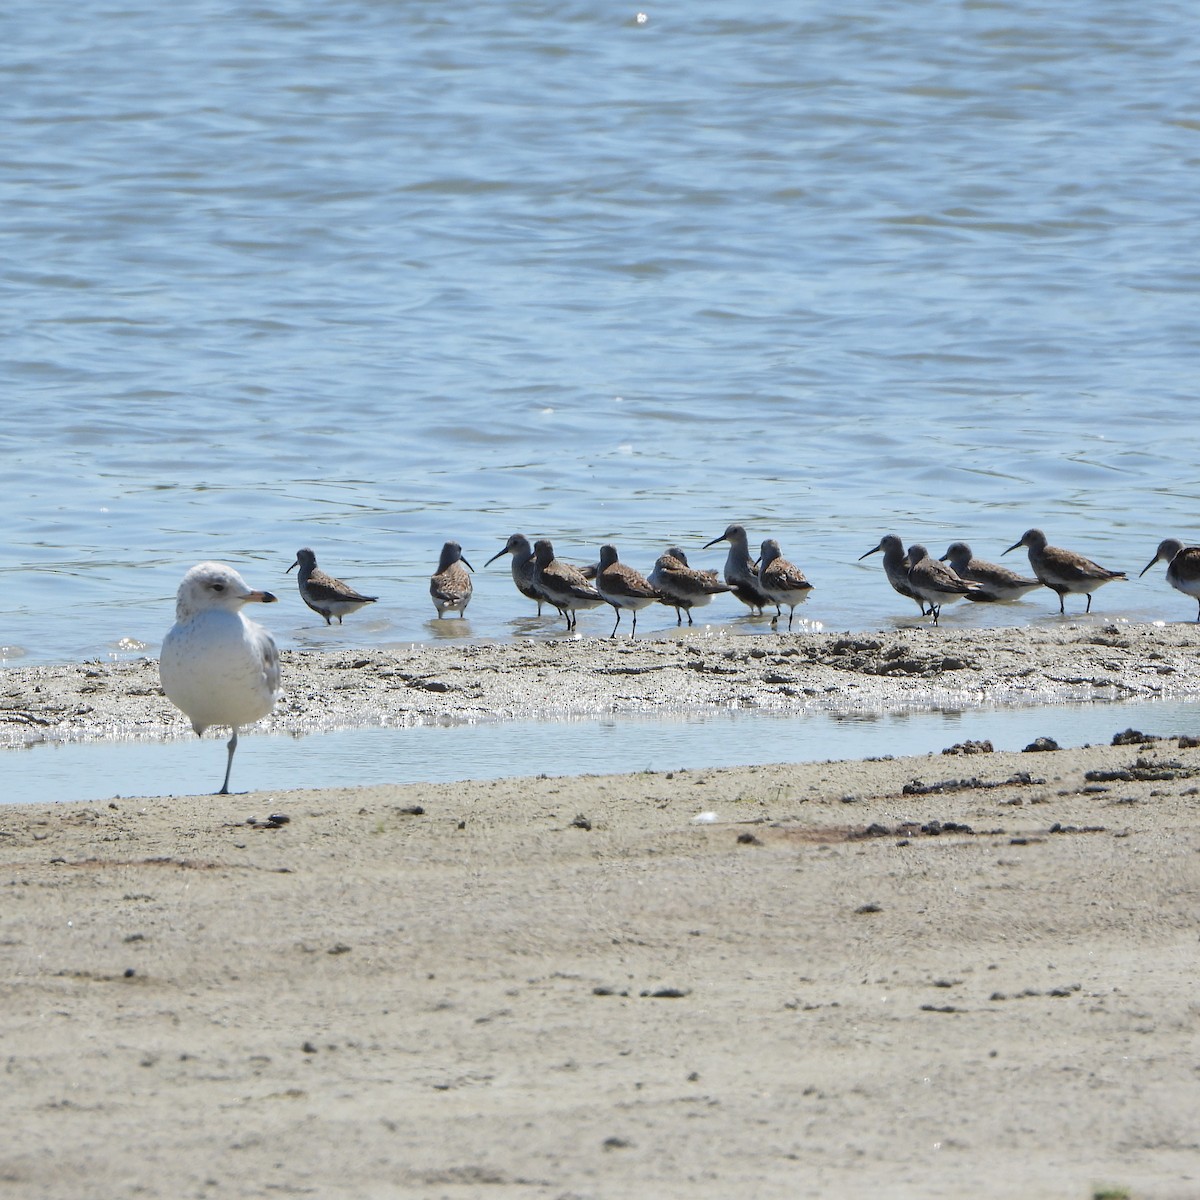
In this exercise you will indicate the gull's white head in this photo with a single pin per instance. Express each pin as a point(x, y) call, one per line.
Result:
point(213, 585)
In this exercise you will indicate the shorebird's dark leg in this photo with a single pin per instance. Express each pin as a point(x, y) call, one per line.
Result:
point(691, 622)
point(617, 610)
point(231, 746)
point(936, 610)
point(1089, 603)
point(1198, 609)
point(791, 616)
point(633, 633)
point(1061, 607)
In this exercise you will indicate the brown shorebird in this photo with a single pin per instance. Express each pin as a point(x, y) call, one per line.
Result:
point(1183, 567)
point(561, 584)
point(322, 593)
point(895, 566)
point(1063, 571)
point(681, 586)
point(995, 582)
point(450, 585)
point(216, 664)
point(522, 566)
point(740, 572)
point(934, 582)
point(782, 582)
point(623, 587)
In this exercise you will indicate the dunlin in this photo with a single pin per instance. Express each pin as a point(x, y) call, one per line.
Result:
point(995, 581)
point(1063, 571)
point(623, 587)
point(781, 581)
point(561, 584)
point(681, 586)
point(1183, 567)
point(895, 566)
point(322, 593)
point(522, 566)
point(740, 572)
point(218, 666)
point(934, 582)
point(450, 585)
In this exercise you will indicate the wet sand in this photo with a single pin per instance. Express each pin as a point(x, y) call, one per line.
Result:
point(954, 975)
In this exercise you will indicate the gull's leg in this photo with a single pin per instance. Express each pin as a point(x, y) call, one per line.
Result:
point(231, 746)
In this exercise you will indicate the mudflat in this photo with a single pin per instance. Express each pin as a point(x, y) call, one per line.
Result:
point(534, 679)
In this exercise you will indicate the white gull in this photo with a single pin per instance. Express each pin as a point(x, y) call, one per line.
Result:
point(218, 666)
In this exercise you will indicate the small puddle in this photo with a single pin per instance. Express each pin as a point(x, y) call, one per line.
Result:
point(603, 745)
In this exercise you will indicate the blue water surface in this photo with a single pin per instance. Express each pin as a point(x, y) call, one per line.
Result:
point(366, 277)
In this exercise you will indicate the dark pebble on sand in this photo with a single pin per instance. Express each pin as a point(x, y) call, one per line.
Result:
point(1041, 746)
point(981, 747)
point(1133, 737)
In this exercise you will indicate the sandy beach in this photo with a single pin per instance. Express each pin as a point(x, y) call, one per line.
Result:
point(965, 974)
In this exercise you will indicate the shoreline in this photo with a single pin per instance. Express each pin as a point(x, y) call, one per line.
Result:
point(535, 680)
point(834, 982)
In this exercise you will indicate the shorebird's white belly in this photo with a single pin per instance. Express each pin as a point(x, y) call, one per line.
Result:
point(1189, 587)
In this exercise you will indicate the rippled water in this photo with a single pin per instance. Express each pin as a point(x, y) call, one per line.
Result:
point(368, 276)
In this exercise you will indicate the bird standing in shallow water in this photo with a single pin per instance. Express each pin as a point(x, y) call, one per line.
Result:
point(934, 582)
point(522, 566)
point(1063, 571)
point(681, 586)
point(895, 566)
point(740, 571)
point(562, 584)
point(1183, 567)
point(995, 581)
point(450, 585)
point(216, 665)
point(623, 587)
point(322, 593)
point(782, 582)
